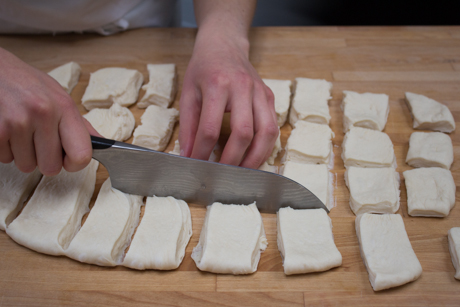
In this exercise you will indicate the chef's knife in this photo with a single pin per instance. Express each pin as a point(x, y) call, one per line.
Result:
point(146, 172)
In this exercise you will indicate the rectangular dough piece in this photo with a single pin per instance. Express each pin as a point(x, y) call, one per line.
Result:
point(373, 190)
point(53, 214)
point(386, 250)
point(162, 236)
point(156, 128)
point(282, 91)
point(67, 75)
point(112, 85)
point(428, 114)
point(15, 187)
point(366, 110)
point(116, 123)
point(305, 241)
point(430, 191)
point(430, 149)
point(453, 236)
point(315, 177)
point(231, 239)
point(309, 143)
point(367, 148)
point(162, 86)
point(310, 102)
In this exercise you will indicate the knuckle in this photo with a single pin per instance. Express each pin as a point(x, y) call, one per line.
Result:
point(219, 80)
point(244, 133)
point(51, 170)
point(272, 130)
point(210, 132)
point(26, 167)
point(270, 96)
point(42, 108)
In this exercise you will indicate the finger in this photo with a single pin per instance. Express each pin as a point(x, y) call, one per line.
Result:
point(190, 109)
point(6, 156)
point(91, 129)
point(22, 148)
point(48, 150)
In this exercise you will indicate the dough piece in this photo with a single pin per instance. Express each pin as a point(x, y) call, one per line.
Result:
point(453, 236)
point(373, 190)
point(430, 149)
point(53, 214)
point(112, 85)
point(15, 187)
point(367, 148)
point(428, 114)
point(282, 91)
point(430, 191)
point(305, 241)
point(156, 128)
point(108, 229)
point(116, 123)
point(176, 149)
point(231, 239)
point(310, 101)
point(66, 75)
point(268, 168)
point(162, 86)
point(276, 150)
point(314, 177)
point(365, 110)
point(309, 143)
point(162, 236)
point(386, 250)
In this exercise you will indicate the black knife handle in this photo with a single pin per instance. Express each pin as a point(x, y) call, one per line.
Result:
point(101, 143)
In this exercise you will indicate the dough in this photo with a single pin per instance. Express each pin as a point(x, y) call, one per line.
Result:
point(367, 148)
point(212, 157)
point(268, 168)
point(162, 86)
point(112, 85)
point(282, 91)
point(310, 101)
point(176, 149)
point(276, 150)
point(315, 177)
point(373, 190)
point(116, 123)
point(66, 75)
point(309, 143)
point(386, 250)
point(430, 191)
point(156, 128)
point(305, 241)
point(430, 149)
point(15, 187)
point(53, 214)
point(231, 239)
point(365, 110)
point(108, 229)
point(454, 247)
point(162, 236)
point(428, 114)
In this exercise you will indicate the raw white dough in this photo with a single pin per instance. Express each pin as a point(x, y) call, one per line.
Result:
point(386, 250)
point(315, 177)
point(162, 86)
point(156, 128)
point(366, 110)
point(430, 149)
point(310, 101)
point(112, 85)
point(53, 214)
point(15, 187)
point(430, 191)
point(453, 236)
point(309, 143)
point(231, 239)
point(67, 75)
point(116, 123)
point(108, 229)
point(282, 91)
point(428, 114)
point(367, 148)
point(276, 150)
point(162, 235)
point(373, 190)
point(305, 241)
point(176, 149)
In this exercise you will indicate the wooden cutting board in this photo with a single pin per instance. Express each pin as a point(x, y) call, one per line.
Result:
point(388, 60)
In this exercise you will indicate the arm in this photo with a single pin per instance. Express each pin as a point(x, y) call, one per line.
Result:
point(221, 79)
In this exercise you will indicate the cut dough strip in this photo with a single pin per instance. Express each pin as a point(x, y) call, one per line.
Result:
point(162, 86)
point(66, 75)
point(454, 247)
point(430, 149)
point(162, 236)
point(282, 91)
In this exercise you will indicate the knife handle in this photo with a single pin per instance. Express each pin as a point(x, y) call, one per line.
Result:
point(101, 143)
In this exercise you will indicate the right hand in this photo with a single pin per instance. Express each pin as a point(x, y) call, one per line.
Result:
point(38, 120)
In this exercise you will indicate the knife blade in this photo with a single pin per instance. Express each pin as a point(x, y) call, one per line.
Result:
point(142, 171)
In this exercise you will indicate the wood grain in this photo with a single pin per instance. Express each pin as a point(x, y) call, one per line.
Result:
point(390, 60)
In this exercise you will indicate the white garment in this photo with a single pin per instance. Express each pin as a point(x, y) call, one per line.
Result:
point(102, 16)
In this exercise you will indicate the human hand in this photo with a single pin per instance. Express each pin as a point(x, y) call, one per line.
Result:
point(38, 119)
